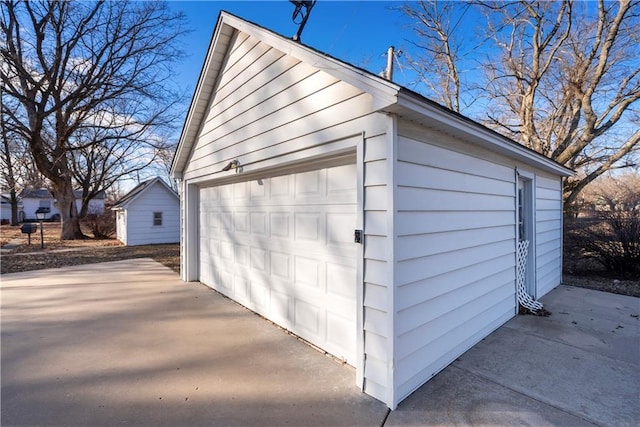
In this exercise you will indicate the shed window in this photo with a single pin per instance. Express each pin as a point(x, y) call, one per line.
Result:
point(157, 218)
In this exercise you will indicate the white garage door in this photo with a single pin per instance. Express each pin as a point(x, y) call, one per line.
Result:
point(283, 246)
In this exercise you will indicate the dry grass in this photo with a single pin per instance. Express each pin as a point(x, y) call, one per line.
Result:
point(51, 234)
point(57, 253)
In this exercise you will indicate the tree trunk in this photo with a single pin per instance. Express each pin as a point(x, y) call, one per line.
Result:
point(13, 198)
point(70, 222)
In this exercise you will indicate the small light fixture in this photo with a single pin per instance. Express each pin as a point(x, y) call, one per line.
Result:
point(233, 164)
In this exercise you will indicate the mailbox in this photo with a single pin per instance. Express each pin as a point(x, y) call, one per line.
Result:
point(29, 228)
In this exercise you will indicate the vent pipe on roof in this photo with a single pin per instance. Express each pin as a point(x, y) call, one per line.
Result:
point(388, 74)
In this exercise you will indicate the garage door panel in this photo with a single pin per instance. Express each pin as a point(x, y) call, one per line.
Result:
point(339, 333)
point(241, 222)
point(306, 319)
point(338, 276)
point(307, 271)
point(241, 253)
point(258, 259)
point(279, 224)
point(259, 297)
point(241, 288)
point(307, 226)
point(258, 223)
point(308, 184)
point(280, 308)
point(284, 247)
point(281, 265)
point(340, 181)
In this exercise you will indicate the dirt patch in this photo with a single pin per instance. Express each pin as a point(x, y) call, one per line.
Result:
point(606, 284)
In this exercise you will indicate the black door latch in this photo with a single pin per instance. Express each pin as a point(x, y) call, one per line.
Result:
point(357, 236)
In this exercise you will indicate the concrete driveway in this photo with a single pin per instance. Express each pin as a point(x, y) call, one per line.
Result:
point(128, 343)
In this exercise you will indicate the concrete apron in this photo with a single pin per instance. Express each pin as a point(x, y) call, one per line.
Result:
point(578, 367)
point(128, 343)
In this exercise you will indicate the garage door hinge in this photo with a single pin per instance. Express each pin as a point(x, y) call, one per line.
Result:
point(357, 236)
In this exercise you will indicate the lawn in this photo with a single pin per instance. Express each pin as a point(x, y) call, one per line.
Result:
point(57, 253)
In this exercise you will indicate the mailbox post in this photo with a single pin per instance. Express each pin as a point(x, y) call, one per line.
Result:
point(40, 215)
point(28, 229)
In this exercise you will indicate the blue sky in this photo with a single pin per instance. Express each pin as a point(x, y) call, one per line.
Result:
point(359, 32)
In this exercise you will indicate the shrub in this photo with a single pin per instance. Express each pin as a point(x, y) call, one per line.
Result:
point(611, 233)
point(102, 225)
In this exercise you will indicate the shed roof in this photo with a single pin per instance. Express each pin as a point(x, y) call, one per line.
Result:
point(139, 189)
point(387, 97)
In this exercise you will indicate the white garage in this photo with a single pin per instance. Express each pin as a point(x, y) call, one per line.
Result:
point(283, 246)
point(381, 227)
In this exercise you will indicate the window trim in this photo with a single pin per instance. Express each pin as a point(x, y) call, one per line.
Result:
point(157, 219)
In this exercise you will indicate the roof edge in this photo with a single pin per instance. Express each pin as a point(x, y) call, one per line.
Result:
point(141, 189)
point(419, 104)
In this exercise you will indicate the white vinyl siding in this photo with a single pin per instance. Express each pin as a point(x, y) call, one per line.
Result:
point(267, 105)
point(141, 215)
point(548, 233)
point(378, 266)
point(454, 254)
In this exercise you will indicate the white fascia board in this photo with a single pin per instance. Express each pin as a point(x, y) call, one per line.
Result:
point(478, 133)
point(198, 107)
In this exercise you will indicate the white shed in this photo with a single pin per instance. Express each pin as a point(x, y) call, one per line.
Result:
point(370, 221)
point(148, 214)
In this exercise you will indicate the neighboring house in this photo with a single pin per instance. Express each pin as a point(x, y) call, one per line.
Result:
point(367, 219)
point(150, 213)
point(5, 209)
point(42, 198)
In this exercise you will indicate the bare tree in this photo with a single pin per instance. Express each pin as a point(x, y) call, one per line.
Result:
point(18, 170)
point(8, 160)
point(66, 65)
point(562, 78)
point(112, 149)
point(435, 26)
point(163, 163)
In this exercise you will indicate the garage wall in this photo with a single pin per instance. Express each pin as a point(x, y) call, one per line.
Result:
point(139, 218)
point(455, 244)
point(378, 266)
point(267, 104)
point(548, 230)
